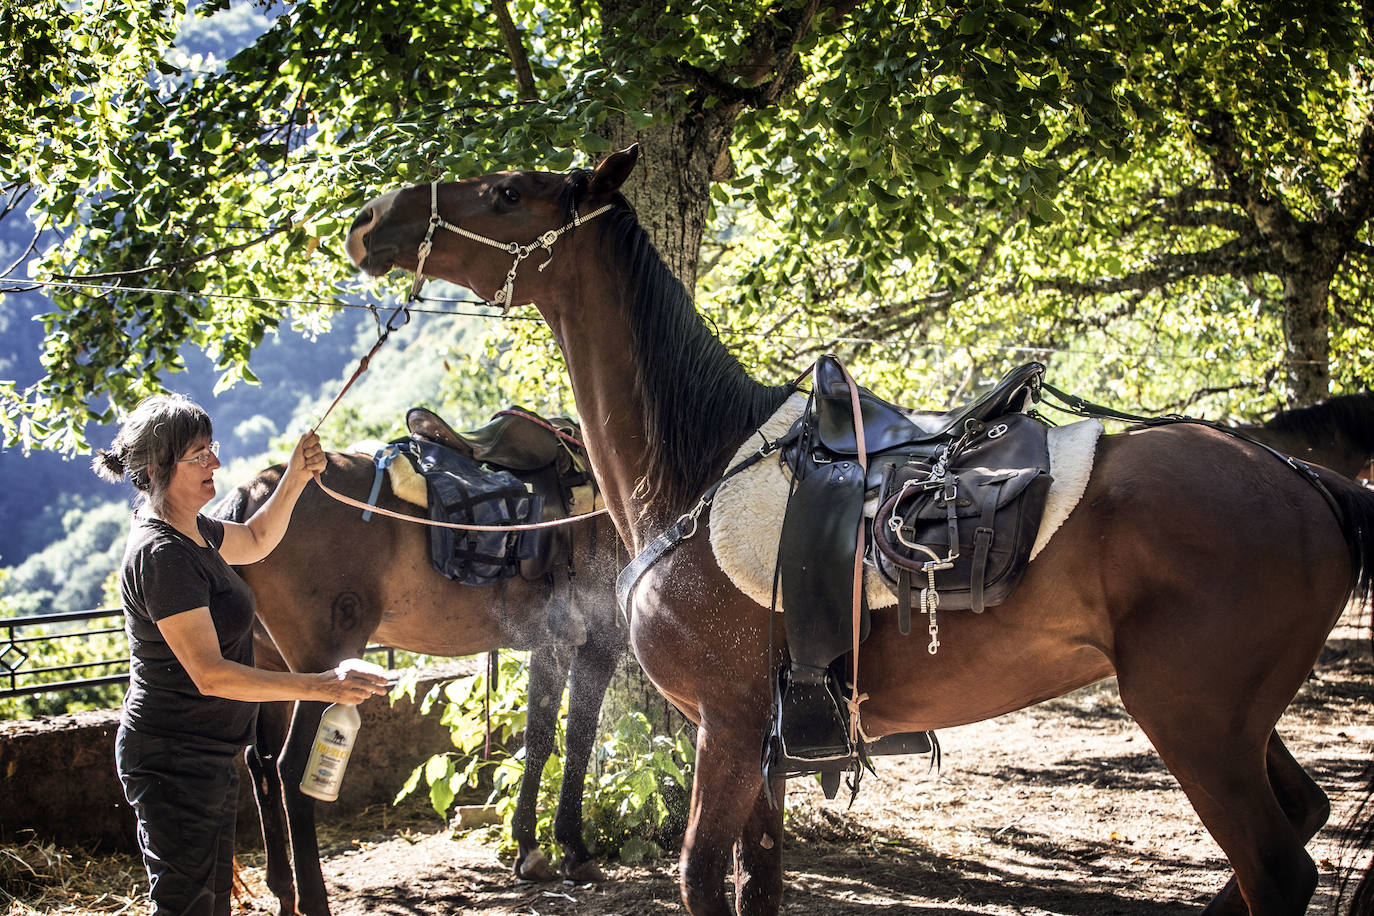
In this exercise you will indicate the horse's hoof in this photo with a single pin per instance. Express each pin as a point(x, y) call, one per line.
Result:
point(535, 867)
point(586, 873)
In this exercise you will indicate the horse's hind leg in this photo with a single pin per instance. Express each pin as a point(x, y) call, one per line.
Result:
point(593, 665)
point(1224, 773)
point(261, 758)
point(548, 672)
point(1302, 800)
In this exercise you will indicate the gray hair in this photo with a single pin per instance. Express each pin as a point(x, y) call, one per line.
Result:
point(158, 432)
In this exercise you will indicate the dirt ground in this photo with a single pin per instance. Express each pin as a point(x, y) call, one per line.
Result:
point(1060, 809)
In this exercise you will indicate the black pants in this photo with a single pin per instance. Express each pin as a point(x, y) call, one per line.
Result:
point(186, 798)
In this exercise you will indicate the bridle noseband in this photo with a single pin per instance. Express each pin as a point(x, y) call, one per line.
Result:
point(515, 249)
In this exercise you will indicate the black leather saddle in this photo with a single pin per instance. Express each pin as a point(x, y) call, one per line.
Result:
point(823, 530)
point(889, 429)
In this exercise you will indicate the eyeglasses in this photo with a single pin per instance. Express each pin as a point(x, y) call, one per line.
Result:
point(204, 458)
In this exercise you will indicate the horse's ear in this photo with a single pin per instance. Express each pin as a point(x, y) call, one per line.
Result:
point(612, 171)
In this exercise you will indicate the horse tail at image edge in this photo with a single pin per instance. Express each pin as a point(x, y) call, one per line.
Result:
point(1356, 504)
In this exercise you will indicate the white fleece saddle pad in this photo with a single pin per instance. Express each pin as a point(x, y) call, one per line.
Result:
point(746, 516)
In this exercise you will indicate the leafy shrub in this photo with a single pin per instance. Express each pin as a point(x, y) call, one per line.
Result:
point(639, 782)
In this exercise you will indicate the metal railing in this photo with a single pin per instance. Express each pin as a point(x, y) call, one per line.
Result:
point(20, 637)
point(16, 650)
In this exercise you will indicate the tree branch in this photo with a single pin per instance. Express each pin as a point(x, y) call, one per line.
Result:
point(1232, 258)
point(174, 265)
point(1217, 129)
point(770, 67)
point(519, 60)
point(33, 243)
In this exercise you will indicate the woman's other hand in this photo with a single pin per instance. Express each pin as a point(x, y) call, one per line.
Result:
point(354, 681)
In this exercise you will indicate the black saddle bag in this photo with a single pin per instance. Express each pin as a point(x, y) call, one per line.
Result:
point(968, 517)
point(461, 491)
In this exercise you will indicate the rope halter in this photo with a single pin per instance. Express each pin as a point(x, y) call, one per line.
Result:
point(514, 249)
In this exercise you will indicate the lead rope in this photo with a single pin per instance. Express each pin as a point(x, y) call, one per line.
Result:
point(855, 698)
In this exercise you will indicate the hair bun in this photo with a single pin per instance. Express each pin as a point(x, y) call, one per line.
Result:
point(108, 465)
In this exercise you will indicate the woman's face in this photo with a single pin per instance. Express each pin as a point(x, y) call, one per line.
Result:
point(193, 483)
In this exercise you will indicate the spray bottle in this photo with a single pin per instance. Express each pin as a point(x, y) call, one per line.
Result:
point(333, 743)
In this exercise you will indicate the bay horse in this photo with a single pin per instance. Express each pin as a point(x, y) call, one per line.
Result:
point(337, 583)
point(1198, 569)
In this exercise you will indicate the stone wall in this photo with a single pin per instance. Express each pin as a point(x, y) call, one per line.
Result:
point(60, 785)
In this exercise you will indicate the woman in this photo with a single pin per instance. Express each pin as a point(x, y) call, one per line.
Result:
point(193, 690)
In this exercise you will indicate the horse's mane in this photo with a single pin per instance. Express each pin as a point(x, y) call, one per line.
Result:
point(698, 401)
point(1349, 416)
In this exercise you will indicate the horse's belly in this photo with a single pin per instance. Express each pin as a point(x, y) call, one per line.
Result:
point(971, 687)
point(1051, 637)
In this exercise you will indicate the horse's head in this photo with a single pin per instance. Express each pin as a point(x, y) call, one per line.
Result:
point(482, 229)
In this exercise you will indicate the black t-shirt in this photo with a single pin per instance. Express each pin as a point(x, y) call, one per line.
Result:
point(166, 573)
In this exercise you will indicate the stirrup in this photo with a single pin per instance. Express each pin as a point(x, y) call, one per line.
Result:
point(828, 761)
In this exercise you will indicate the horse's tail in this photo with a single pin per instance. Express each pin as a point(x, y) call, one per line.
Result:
point(1356, 505)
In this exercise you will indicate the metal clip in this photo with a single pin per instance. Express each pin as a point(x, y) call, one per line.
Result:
point(692, 516)
point(930, 600)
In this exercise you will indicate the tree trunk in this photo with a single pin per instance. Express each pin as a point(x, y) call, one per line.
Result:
point(671, 187)
point(670, 190)
point(1306, 333)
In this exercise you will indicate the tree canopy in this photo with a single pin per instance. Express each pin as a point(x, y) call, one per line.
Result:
point(938, 189)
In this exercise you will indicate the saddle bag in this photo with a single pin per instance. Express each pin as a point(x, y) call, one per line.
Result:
point(461, 491)
point(962, 523)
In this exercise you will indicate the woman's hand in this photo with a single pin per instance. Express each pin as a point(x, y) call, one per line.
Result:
point(353, 681)
point(254, 539)
point(307, 458)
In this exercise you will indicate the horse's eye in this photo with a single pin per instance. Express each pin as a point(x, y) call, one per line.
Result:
point(510, 195)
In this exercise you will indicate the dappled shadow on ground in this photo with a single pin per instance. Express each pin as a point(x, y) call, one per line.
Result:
point(823, 878)
point(1060, 810)
point(1125, 772)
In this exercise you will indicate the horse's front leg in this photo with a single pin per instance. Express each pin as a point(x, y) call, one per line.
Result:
point(548, 672)
point(592, 667)
point(725, 798)
point(758, 855)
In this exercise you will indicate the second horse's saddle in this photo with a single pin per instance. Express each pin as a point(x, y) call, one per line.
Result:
point(514, 439)
point(537, 452)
